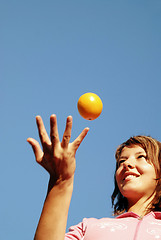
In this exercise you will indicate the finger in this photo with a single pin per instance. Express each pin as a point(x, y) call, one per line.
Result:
point(42, 132)
point(36, 149)
point(67, 132)
point(54, 135)
point(79, 139)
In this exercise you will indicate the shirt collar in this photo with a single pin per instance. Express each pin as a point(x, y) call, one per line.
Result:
point(156, 215)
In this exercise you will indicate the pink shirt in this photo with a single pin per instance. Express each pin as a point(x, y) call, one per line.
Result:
point(127, 226)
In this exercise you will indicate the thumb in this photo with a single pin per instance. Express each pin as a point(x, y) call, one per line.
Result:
point(80, 138)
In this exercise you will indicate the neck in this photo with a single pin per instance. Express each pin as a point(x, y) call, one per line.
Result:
point(141, 206)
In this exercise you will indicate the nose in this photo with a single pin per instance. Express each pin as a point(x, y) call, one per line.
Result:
point(128, 164)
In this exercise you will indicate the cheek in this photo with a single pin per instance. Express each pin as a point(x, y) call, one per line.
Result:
point(118, 176)
point(149, 170)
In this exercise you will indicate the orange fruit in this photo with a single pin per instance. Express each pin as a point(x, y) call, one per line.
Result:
point(90, 106)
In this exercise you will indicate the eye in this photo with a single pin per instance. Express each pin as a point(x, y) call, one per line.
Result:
point(121, 161)
point(142, 156)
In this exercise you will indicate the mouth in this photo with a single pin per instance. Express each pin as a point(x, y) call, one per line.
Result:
point(130, 176)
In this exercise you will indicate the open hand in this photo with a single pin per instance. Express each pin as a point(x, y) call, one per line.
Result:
point(58, 158)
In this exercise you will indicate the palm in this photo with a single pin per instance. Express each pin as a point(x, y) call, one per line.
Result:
point(58, 158)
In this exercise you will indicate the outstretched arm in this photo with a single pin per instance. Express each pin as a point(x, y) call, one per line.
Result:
point(58, 158)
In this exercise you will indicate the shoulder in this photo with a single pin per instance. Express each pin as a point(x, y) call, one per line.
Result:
point(87, 222)
point(92, 223)
point(92, 227)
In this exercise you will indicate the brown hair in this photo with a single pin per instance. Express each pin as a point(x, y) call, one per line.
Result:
point(152, 147)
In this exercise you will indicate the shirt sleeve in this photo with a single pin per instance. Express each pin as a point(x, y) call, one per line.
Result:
point(76, 232)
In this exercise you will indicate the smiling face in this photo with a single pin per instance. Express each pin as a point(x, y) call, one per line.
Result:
point(135, 175)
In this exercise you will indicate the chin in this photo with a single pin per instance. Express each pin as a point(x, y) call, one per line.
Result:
point(130, 192)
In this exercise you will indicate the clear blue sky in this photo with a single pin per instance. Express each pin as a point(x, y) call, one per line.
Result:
point(51, 52)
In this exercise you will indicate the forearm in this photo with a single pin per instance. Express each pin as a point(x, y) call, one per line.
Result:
point(53, 220)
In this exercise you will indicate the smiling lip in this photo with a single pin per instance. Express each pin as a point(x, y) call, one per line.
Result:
point(129, 176)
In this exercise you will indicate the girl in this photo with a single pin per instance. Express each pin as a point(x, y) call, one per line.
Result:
point(136, 197)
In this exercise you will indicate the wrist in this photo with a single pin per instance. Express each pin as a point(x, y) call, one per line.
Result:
point(61, 185)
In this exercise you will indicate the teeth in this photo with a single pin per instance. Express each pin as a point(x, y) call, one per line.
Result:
point(129, 177)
